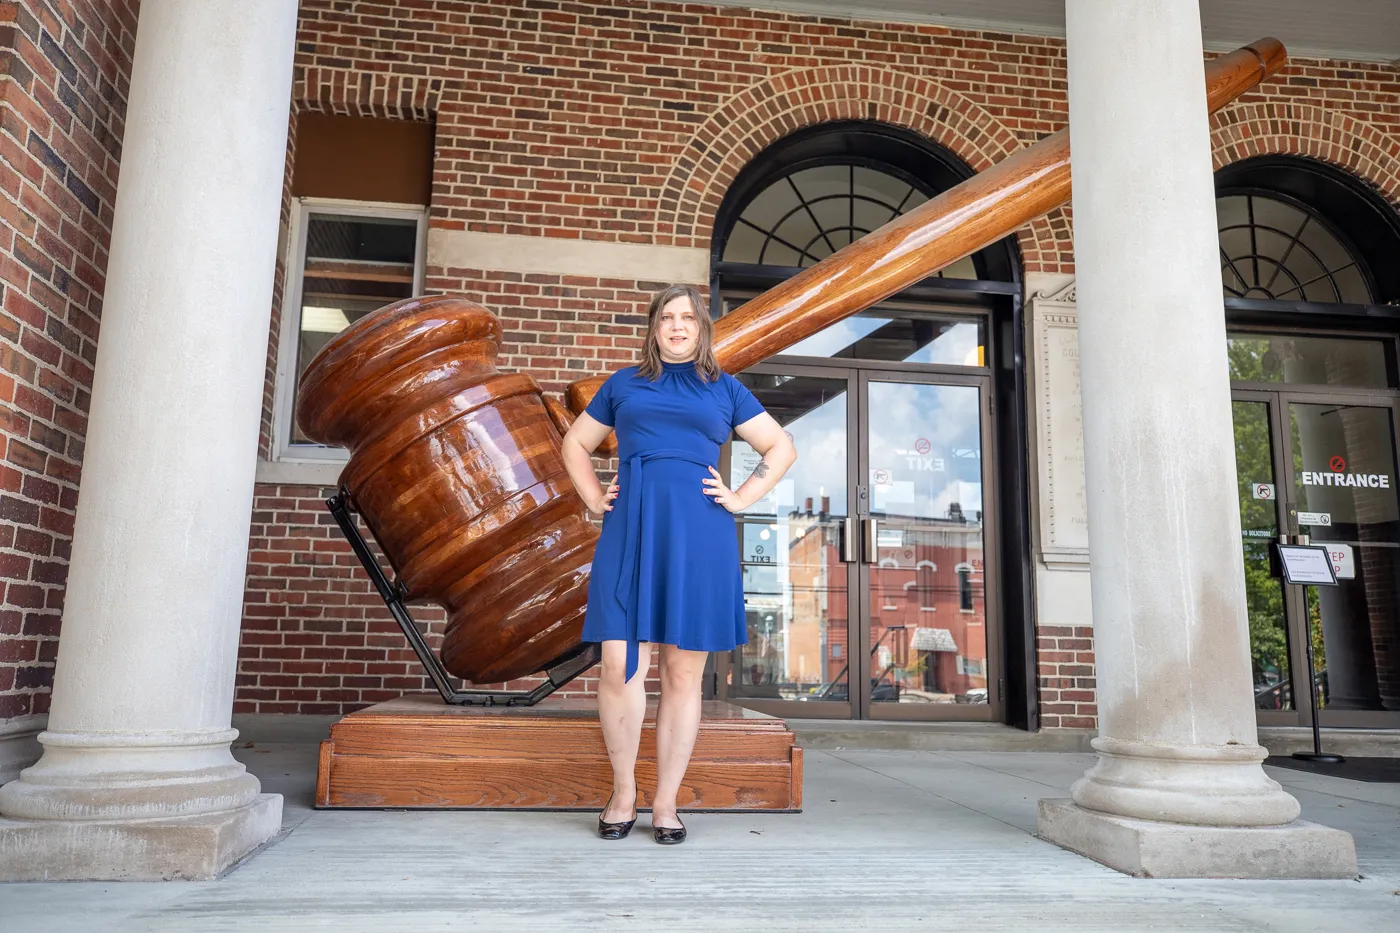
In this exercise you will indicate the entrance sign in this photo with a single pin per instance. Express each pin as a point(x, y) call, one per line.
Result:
point(1306, 564)
point(1263, 490)
point(1322, 519)
point(1343, 561)
point(1371, 480)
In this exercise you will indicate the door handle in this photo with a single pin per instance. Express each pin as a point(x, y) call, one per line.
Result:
point(870, 536)
point(848, 540)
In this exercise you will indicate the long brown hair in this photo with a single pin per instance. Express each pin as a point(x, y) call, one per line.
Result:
point(650, 363)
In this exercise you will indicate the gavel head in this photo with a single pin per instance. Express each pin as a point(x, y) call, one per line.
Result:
point(457, 470)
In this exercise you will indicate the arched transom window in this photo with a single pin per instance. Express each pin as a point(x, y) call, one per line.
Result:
point(806, 215)
point(1278, 250)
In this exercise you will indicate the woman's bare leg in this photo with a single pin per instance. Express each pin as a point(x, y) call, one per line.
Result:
point(677, 722)
point(621, 706)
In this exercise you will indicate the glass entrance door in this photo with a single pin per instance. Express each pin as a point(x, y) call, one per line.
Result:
point(1323, 463)
point(795, 552)
point(924, 573)
point(869, 591)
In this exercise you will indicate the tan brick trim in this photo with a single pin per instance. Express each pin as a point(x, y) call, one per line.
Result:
point(502, 252)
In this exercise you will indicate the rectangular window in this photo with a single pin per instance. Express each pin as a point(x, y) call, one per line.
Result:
point(350, 259)
point(1302, 359)
point(965, 590)
point(893, 331)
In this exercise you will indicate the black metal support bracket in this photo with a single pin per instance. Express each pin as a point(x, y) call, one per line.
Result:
point(560, 673)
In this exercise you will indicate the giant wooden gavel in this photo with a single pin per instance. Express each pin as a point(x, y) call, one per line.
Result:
point(456, 467)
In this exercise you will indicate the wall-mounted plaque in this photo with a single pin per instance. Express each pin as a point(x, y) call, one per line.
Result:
point(1062, 509)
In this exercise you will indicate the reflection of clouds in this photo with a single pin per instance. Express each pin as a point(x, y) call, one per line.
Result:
point(949, 418)
point(837, 337)
point(965, 494)
point(820, 438)
point(956, 346)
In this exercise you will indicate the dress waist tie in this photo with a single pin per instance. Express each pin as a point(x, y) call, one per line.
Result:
point(627, 589)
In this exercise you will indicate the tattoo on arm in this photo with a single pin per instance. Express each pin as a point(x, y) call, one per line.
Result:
point(761, 470)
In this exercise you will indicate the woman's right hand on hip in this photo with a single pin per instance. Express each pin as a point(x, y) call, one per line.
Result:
point(604, 503)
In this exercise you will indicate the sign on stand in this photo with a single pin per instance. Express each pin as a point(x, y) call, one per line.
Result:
point(1306, 564)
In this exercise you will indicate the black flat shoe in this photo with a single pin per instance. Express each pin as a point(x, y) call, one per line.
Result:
point(667, 836)
point(615, 830)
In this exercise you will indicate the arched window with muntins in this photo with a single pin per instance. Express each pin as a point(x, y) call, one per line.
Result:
point(804, 216)
point(1297, 233)
point(817, 191)
point(1280, 250)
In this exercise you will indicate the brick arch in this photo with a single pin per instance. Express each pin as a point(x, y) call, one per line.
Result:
point(760, 115)
point(366, 94)
point(1273, 128)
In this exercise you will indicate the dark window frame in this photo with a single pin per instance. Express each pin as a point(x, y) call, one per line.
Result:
point(997, 292)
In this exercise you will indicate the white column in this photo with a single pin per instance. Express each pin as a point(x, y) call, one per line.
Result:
point(143, 690)
point(1178, 786)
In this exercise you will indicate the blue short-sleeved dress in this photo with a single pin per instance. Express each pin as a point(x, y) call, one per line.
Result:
point(666, 568)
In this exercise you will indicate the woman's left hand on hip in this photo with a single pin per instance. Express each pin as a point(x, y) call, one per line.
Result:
point(715, 489)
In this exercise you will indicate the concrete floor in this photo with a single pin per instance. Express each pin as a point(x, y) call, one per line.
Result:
point(890, 838)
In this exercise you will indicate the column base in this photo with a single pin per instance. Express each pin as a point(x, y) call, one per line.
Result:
point(186, 848)
point(1149, 849)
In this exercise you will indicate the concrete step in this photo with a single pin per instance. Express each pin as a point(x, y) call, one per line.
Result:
point(936, 736)
point(924, 736)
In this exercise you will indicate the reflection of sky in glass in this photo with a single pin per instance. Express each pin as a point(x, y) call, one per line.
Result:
point(956, 345)
point(820, 470)
point(838, 336)
point(924, 485)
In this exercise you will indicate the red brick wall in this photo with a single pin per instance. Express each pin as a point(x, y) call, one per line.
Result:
point(1067, 687)
point(627, 122)
point(66, 67)
point(617, 121)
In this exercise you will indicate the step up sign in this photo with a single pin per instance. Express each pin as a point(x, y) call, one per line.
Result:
point(1343, 561)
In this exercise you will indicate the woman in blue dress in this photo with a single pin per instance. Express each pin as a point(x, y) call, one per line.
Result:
point(666, 569)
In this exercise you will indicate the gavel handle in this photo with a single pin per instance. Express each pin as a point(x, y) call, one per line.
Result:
point(910, 248)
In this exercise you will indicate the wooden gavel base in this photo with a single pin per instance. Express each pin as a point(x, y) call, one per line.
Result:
point(418, 752)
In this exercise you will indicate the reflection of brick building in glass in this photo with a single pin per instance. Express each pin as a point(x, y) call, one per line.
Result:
point(928, 614)
point(819, 625)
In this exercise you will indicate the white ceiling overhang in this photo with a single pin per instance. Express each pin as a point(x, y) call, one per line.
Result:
point(1357, 30)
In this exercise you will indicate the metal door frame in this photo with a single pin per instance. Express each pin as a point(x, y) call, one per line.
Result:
point(859, 374)
point(1279, 442)
point(724, 661)
point(1279, 396)
point(991, 563)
